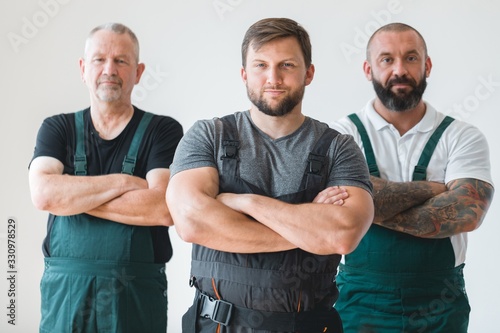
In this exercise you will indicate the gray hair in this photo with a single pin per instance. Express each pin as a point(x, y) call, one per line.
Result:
point(119, 29)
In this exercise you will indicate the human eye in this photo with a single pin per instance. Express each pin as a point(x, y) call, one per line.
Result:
point(288, 65)
point(412, 58)
point(259, 65)
point(121, 61)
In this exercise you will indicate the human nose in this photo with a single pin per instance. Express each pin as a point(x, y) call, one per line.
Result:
point(399, 68)
point(274, 76)
point(109, 67)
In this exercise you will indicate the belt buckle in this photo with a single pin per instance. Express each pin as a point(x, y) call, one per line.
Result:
point(211, 307)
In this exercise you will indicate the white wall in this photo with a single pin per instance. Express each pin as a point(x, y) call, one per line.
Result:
point(192, 52)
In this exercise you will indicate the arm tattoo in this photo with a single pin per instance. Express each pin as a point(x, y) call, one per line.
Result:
point(392, 198)
point(460, 209)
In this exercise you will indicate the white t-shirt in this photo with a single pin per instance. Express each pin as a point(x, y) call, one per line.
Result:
point(462, 152)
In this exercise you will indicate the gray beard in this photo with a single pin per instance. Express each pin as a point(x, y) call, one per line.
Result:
point(108, 95)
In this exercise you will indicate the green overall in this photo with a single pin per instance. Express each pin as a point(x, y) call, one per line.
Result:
point(100, 276)
point(395, 282)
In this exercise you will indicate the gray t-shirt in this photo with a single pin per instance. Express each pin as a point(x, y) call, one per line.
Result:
point(275, 166)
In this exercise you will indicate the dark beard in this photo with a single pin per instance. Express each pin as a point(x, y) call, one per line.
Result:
point(283, 108)
point(400, 101)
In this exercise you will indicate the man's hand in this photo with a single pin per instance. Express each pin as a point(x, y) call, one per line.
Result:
point(332, 195)
point(230, 200)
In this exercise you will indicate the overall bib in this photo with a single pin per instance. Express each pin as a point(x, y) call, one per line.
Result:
point(394, 282)
point(111, 283)
point(287, 291)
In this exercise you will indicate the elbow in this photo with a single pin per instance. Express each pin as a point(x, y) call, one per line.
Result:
point(188, 216)
point(165, 220)
point(186, 232)
point(341, 248)
point(183, 234)
point(473, 225)
point(181, 214)
point(184, 225)
point(347, 244)
point(478, 221)
point(467, 226)
point(42, 197)
point(340, 243)
point(348, 247)
point(353, 235)
point(354, 232)
point(40, 202)
point(163, 216)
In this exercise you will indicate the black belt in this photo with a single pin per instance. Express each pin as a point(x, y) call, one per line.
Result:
point(225, 313)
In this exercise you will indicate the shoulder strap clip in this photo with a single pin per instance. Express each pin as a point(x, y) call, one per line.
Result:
point(230, 148)
point(128, 165)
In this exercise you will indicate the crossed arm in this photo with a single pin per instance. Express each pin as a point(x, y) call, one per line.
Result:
point(249, 223)
point(431, 210)
point(118, 197)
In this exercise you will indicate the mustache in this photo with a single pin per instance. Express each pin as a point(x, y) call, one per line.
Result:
point(112, 78)
point(274, 87)
point(403, 80)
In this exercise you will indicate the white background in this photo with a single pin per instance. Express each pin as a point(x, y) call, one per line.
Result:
point(192, 53)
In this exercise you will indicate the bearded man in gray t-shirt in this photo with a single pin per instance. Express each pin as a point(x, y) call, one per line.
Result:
point(270, 199)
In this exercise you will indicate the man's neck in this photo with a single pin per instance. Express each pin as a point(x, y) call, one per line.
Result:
point(402, 120)
point(110, 119)
point(277, 127)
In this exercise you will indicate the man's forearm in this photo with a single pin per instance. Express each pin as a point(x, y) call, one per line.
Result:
point(393, 198)
point(220, 228)
point(139, 207)
point(69, 195)
point(461, 209)
point(313, 227)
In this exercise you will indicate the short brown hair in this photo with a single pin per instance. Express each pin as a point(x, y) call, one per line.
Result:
point(269, 29)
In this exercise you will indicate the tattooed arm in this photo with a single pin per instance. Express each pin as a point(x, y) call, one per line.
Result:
point(459, 209)
point(393, 198)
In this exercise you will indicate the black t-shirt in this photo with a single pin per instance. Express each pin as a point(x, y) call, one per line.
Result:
point(56, 138)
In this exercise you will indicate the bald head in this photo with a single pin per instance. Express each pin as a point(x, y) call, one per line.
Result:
point(394, 27)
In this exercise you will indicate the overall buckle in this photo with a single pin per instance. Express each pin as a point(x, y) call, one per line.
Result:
point(218, 311)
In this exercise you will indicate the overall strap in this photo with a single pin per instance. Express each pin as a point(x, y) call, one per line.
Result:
point(314, 175)
point(130, 159)
point(80, 159)
point(230, 144)
point(420, 172)
point(369, 155)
